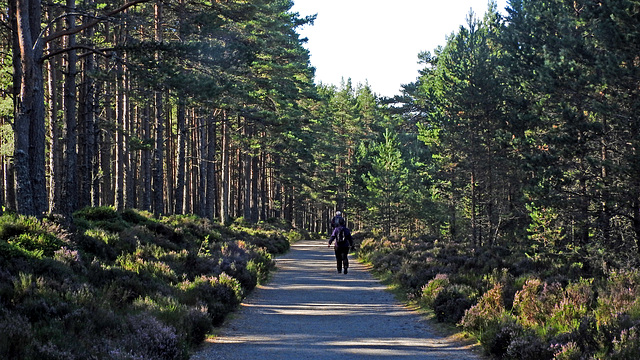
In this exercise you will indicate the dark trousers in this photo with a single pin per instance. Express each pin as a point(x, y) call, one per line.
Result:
point(342, 258)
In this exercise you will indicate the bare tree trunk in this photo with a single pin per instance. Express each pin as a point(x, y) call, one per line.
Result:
point(203, 166)
point(107, 153)
point(211, 174)
point(119, 141)
point(263, 187)
point(247, 178)
point(225, 172)
point(55, 133)
point(29, 154)
point(181, 160)
point(88, 137)
point(70, 192)
point(158, 180)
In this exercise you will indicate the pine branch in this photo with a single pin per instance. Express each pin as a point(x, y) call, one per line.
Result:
point(96, 21)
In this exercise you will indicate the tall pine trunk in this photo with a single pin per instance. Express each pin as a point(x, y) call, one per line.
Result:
point(211, 173)
point(181, 159)
point(225, 172)
point(55, 131)
point(158, 160)
point(70, 192)
point(29, 128)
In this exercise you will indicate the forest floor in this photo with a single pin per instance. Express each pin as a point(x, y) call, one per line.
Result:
point(309, 311)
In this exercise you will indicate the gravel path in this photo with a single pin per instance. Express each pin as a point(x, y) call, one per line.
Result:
point(309, 311)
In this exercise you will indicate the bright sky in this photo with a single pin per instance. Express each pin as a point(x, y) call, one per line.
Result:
point(377, 42)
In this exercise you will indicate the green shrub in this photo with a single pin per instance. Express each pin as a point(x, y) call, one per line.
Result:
point(99, 213)
point(12, 225)
point(451, 303)
point(220, 294)
point(113, 240)
point(37, 244)
point(135, 216)
point(431, 290)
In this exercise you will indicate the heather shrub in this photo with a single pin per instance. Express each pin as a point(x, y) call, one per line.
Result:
point(574, 304)
point(195, 325)
point(568, 351)
point(534, 304)
point(413, 274)
point(451, 303)
point(431, 290)
point(220, 294)
point(491, 323)
point(70, 258)
point(627, 345)
point(619, 295)
point(151, 339)
point(64, 296)
point(528, 347)
point(16, 334)
point(489, 310)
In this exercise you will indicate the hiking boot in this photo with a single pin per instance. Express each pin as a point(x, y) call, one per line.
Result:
point(345, 270)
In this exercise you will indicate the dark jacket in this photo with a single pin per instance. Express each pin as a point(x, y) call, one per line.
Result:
point(347, 235)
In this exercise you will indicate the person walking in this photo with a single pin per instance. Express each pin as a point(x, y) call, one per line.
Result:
point(343, 242)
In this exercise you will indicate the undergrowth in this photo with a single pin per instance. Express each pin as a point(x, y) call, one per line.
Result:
point(517, 307)
point(125, 285)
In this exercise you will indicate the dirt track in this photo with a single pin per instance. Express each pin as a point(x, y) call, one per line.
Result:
point(309, 311)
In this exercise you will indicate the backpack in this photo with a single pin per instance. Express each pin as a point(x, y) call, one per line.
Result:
point(338, 221)
point(341, 239)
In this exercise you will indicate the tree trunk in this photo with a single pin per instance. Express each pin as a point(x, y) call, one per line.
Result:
point(146, 160)
point(247, 178)
point(88, 134)
point(158, 180)
point(225, 173)
point(70, 192)
point(55, 133)
point(119, 173)
point(203, 165)
point(254, 189)
point(211, 173)
point(29, 129)
point(182, 150)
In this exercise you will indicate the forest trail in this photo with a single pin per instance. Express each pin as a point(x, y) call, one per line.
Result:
point(309, 311)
